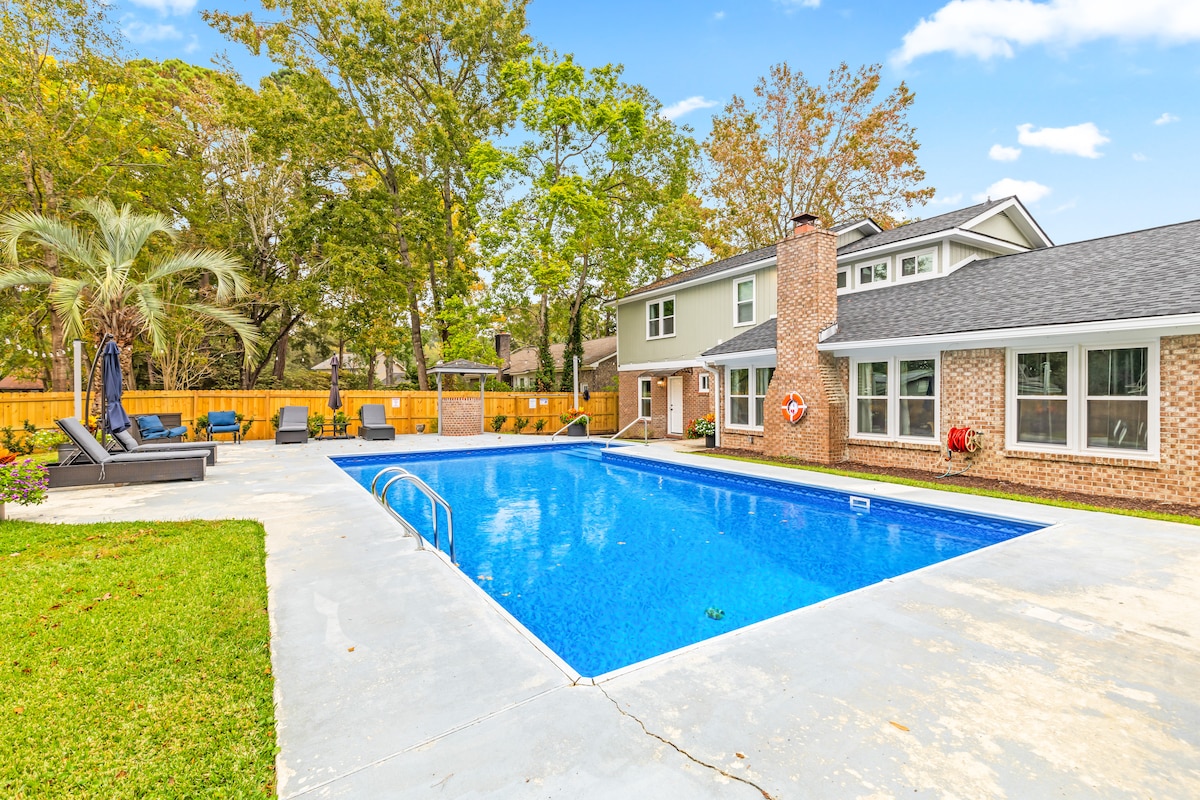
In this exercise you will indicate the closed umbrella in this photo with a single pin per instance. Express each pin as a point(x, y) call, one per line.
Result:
point(115, 418)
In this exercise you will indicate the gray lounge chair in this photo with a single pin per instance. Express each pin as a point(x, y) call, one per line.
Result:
point(130, 445)
point(293, 425)
point(374, 423)
point(106, 467)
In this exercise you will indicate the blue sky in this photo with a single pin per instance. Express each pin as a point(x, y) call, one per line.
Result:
point(1087, 109)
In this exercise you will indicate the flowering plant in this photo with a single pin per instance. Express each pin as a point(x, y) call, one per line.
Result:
point(704, 426)
point(571, 414)
point(23, 481)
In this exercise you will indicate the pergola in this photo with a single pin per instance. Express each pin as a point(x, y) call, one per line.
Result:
point(463, 367)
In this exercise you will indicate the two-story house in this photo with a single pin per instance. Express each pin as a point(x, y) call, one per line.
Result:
point(1075, 364)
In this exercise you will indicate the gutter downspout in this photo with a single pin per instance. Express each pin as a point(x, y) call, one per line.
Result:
point(715, 389)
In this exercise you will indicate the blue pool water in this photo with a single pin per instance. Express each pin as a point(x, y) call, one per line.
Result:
point(611, 559)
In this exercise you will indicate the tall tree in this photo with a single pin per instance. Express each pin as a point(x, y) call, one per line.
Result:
point(420, 83)
point(121, 288)
point(596, 199)
point(838, 151)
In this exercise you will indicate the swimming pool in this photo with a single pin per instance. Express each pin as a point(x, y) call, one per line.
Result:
point(611, 559)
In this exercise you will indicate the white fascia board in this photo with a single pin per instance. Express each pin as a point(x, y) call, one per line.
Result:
point(917, 242)
point(600, 361)
point(657, 365)
point(1177, 324)
point(745, 355)
point(1029, 223)
point(716, 276)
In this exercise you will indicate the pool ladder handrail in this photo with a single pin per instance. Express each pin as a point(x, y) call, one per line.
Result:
point(645, 431)
point(572, 422)
point(401, 474)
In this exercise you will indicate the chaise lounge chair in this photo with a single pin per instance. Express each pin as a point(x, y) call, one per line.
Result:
point(293, 425)
point(106, 467)
point(374, 423)
point(130, 445)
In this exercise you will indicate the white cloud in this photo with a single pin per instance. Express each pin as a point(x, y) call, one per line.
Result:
point(141, 32)
point(1166, 119)
point(1140, 157)
point(1076, 140)
point(176, 7)
point(718, 15)
point(1067, 206)
point(193, 45)
point(792, 5)
point(989, 29)
point(677, 110)
point(1001, 153)
point(948, 200)
point(1028, 191)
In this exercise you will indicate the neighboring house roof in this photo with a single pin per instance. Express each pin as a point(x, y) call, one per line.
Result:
point(461, 366)
point(15, 384)
point(525, 359)
point(1146, 273)
point(760, 337)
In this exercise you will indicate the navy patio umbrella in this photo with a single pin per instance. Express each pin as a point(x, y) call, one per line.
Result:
point(335, 394)
point(115, 418)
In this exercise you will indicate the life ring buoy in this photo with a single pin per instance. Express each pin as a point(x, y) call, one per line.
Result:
point(794, 407)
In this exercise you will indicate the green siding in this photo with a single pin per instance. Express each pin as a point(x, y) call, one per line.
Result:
point(1001, 227)
point(704, 316)
point(960, 251)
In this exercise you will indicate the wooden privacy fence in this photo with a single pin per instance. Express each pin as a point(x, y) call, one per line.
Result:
point(404, 410)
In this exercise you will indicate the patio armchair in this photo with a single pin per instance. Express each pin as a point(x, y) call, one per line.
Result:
point(293, 425)
point(95, 465)
point(128, 444)
point(224, 422)
point(150, 427)
point(373, 423)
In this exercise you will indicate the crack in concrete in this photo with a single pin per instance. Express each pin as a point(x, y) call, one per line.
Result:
point(767, 795)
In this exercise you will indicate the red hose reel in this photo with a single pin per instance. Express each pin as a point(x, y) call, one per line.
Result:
point(962, 440)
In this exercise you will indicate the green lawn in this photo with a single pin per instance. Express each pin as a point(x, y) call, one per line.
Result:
point(136, 661)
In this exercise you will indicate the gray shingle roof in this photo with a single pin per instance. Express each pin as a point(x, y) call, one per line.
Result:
point(922, 227)
point(710, 268)
point(1147, 273)
point(760, 337)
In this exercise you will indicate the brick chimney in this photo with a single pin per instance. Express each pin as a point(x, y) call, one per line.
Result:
point(806, 305)
point(503, 344)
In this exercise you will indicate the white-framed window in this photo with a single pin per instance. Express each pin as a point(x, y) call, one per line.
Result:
point(875, 272)
point(743, 302)
point(660, 318)
point(746, 392)
point(843, 278)
point(1084, 399)
point(895, 398)
point(645, 389)
point(916, 264)
point(702, 382)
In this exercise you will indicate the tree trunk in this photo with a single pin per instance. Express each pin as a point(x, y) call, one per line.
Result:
point(575, 331)
point(544, 377)
point(414, 316)
point(281, 346)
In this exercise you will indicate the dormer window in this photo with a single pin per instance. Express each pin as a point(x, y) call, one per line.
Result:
point(873, 273)
point(918, 264)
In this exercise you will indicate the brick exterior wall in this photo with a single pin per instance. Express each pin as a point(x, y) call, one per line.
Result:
point(461, 416)
point(695, 404)
point(806, 304)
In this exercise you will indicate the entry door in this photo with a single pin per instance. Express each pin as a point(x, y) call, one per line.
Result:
point(675, 405)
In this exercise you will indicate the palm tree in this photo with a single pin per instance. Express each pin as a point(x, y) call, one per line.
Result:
point(113, 290)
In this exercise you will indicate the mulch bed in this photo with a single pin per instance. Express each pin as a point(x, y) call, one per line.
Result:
point(974, 482)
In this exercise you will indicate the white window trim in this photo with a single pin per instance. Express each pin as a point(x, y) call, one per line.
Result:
point(893, 398)
point(849, 271)
point(660, 302)
point(648, 396)
point(1077, 402)
point(752, 384)
point(702, 383)
point(753, 281)
point(920, 276)
point(855, 283)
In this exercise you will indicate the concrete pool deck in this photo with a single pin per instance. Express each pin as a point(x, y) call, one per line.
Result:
point(1064, 663)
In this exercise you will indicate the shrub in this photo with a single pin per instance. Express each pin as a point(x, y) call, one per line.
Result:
point(498, 422)
point(572, 414)
point(539, 425)
point(315, 423)
point(23, 482)
point(520, 424)
point(703, 426)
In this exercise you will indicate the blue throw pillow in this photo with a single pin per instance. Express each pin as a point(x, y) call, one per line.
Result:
point(149, 424)
point(222, 418)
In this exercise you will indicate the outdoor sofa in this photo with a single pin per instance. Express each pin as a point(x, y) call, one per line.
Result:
point(374, 423)
point(127, 443)
point(293, 425)
point(95, 465)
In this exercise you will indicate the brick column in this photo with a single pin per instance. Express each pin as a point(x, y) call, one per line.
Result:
point(807, 304)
